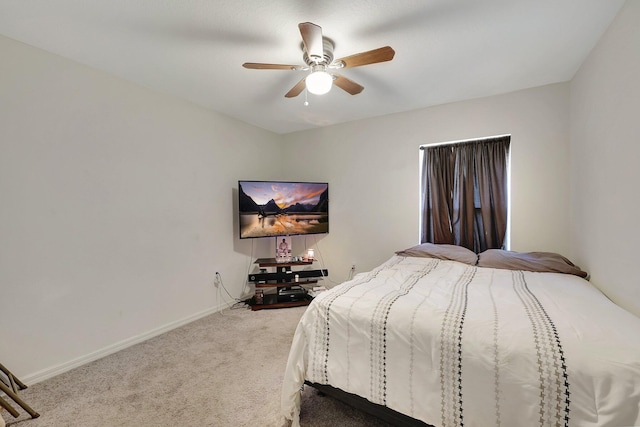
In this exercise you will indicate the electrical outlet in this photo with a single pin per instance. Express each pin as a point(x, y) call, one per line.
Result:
point(216, 279)
point(353, 266)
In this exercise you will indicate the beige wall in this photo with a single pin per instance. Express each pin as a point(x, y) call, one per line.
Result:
point(373, 169)
point(605, 150)
point(116, 210)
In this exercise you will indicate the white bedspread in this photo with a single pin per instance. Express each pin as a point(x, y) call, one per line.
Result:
point(452, 345)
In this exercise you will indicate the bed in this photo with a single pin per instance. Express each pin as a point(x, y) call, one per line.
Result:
point(446, 337)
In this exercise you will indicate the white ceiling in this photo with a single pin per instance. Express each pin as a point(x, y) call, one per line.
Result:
point(446, 50)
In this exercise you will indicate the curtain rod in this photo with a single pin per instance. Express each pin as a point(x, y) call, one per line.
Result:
point(437, 144)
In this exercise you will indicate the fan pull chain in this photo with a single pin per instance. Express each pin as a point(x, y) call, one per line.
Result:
point(306, 103)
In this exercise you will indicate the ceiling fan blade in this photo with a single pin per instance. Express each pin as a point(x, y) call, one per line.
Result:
point(312, 39)
point(259, 66)
point(296, 90)
point(374, 56)
point(347, 85)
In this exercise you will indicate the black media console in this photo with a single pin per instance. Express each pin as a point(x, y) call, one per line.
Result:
point(285, 287)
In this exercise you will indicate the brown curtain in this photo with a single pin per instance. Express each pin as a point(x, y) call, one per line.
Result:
point(464, 194)
point(437, 194)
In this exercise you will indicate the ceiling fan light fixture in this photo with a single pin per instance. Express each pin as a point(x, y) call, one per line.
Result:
point(319, 82)
point(317, 54)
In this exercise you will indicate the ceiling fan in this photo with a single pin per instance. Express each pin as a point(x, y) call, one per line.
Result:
point(317, 53)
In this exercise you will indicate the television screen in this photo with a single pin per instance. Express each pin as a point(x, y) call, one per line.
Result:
point(277, 208)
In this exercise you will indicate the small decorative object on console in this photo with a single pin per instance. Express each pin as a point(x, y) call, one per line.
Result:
point(283, 249)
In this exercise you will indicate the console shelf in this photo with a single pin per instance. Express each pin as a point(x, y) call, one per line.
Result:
point(289, 291)
point(271, 262)
point(285, 284)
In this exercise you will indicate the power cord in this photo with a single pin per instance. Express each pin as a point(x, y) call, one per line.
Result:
point(315, 241)
point(238, 302)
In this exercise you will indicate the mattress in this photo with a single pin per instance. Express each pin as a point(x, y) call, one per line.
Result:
point(454, 344)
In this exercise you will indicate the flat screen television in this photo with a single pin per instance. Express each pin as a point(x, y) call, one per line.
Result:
point(282, 208)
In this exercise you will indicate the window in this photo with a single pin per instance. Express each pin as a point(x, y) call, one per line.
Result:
point(464, 193)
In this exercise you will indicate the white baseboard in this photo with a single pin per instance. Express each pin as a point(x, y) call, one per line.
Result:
point(47, 373)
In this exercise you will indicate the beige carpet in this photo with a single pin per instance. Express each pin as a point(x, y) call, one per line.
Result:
point(223, 370)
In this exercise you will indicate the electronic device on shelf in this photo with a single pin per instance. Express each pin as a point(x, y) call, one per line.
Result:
point(292, 293)
point(287, 276)
point(282, 208)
